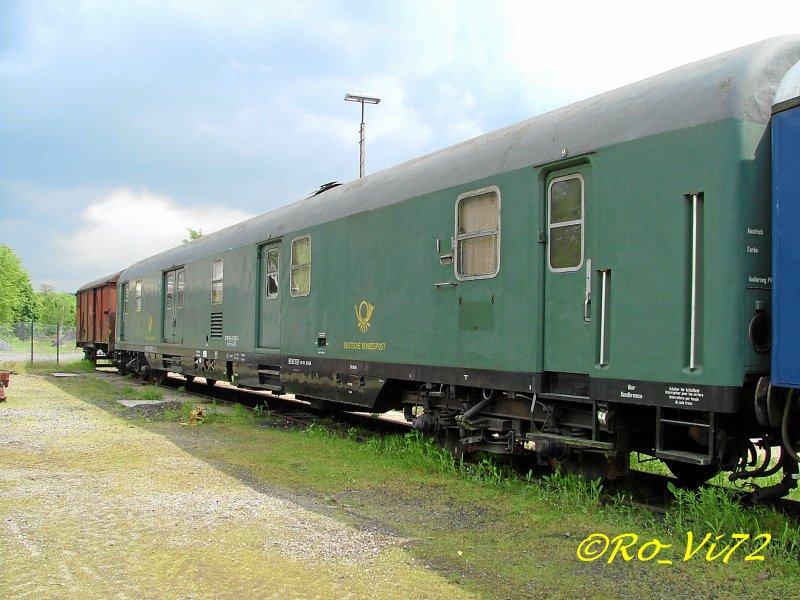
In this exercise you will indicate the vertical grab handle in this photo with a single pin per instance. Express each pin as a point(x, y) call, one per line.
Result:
point(587, 297)
point(603, 310)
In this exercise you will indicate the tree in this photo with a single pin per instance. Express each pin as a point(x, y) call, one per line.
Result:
point(194, 234)
point(55, 307)
point(17, 300)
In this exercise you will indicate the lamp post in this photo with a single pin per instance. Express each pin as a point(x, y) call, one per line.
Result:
point(363, 100)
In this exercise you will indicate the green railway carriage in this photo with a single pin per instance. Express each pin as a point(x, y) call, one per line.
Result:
point(582, 284)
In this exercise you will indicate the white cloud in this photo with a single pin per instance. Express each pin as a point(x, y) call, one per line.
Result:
point(244, 100)
point(602, 46)
point(126, 226)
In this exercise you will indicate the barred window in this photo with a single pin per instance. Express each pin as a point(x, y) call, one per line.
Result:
point(477, 238)
point(301, 266)
point(216, 281)
point(565, 223)
point(125, 295)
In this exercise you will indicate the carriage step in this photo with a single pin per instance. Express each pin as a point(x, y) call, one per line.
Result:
point(573, 442)
point(694, 458)
point(567, 397)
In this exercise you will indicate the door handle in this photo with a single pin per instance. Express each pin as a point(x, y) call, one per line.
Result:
point(587, 297)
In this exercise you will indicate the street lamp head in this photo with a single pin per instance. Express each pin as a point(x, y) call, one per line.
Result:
point(361, 100)
point(358, 98)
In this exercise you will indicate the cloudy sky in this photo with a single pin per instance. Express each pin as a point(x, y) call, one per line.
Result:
point(123, 123)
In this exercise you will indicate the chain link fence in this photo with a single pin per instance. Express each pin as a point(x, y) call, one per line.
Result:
point(40, 342)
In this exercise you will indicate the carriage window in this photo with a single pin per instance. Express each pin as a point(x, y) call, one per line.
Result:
point(216, 282)
point(301, 266)
point(125, 294)
point(565, 223)
point(170, 279)
point(179, 291)
point(137, 296)
point(478, 234)
point(272, 273)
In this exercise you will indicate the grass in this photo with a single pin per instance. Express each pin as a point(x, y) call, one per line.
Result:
point(479, 524)
point(649, 464)
point(40, 346)
point(471, 520)
point(65, 366)
point(90, 388)
point(147, 393)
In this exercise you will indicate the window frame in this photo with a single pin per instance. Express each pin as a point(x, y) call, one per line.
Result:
point(126, 290)
point(269, 274)
point(180, 287)
point(218, 281)
point(137, 295)
point(293, 267)
point(169, 290)
point(459, 238)
point(173, 300)
point(581, 222)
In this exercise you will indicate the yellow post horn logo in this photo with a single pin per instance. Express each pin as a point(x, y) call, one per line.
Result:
point(364, 314)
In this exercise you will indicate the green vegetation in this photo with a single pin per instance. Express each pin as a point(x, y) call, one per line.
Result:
point(194, 234)
point(18, 301)
point(481, 525)
point(648, 464)
point(68, 366)
point(55, 307)
point(147, 393)
point(17, 336)
point(714, 510)
point(99, 390)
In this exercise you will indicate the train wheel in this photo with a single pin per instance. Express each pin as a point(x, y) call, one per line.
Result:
point(189, 378)
point(161, 377)
point(210, 382)
point(589, 465)
point(690, 475)
point(449, 440)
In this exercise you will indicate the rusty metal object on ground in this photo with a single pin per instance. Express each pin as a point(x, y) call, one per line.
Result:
point(5, 380)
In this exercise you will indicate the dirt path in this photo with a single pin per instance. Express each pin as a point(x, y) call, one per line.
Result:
point(92, 506)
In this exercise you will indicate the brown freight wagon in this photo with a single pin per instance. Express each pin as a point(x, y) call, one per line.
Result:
point(96, 315)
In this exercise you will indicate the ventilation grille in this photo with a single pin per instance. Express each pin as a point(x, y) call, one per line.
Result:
point(216, 325)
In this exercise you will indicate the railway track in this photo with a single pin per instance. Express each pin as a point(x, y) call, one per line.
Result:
point(287, 407)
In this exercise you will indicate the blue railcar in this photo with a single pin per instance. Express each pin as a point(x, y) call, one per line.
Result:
point(786, 225)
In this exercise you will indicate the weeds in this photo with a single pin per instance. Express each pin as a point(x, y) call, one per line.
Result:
point(67, 366)
point(151, 393)
point(319, 432)
point(148, 393)
point(238, 416)
point(717, 511)
point(575, 490)
point(179, 414)
point(416, 450)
